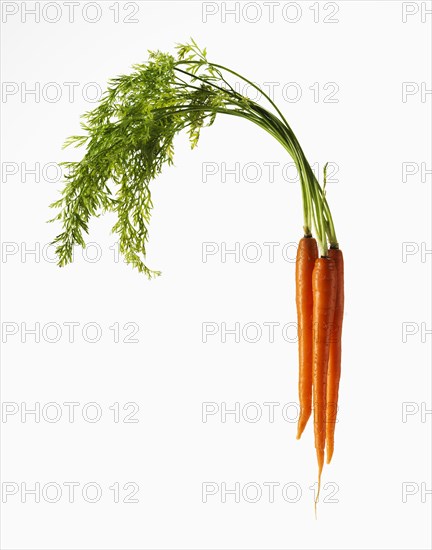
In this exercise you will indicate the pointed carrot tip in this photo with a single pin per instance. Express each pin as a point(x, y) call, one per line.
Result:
point(299, 431)
point(301, 426)
point(329, 454)
point(320, 457)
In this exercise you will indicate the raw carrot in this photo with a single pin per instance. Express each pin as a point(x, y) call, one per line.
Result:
point(307, 253)
point(128, 138)
point(334, 364)
point(324, 281)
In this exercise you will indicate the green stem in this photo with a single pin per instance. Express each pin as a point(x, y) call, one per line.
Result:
point(282, 132)
point(313, 198)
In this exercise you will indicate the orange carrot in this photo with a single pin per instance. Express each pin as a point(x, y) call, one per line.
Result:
point(324, 281)
point(334, 364)
point(307, 253)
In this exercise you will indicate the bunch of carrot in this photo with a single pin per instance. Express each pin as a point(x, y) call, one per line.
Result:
point(129, 138)
point(320, 307)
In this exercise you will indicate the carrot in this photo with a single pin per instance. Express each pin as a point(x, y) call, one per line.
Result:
point(307, 253)
point(324, 281)
point(334, 365)
point(131, 149)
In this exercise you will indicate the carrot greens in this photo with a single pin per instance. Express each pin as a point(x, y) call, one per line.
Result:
point(129, 137)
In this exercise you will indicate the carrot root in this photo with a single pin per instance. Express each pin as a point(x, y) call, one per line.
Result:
point(324, 281)
point(307, 253)
point(335, 354)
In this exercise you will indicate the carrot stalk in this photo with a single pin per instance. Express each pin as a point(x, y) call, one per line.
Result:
point(324, 281)
point(334, 364)
point(307, 253)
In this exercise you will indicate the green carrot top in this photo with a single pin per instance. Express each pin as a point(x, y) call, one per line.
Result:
point(129, 137)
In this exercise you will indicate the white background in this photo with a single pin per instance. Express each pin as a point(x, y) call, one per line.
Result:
point(369, 133)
